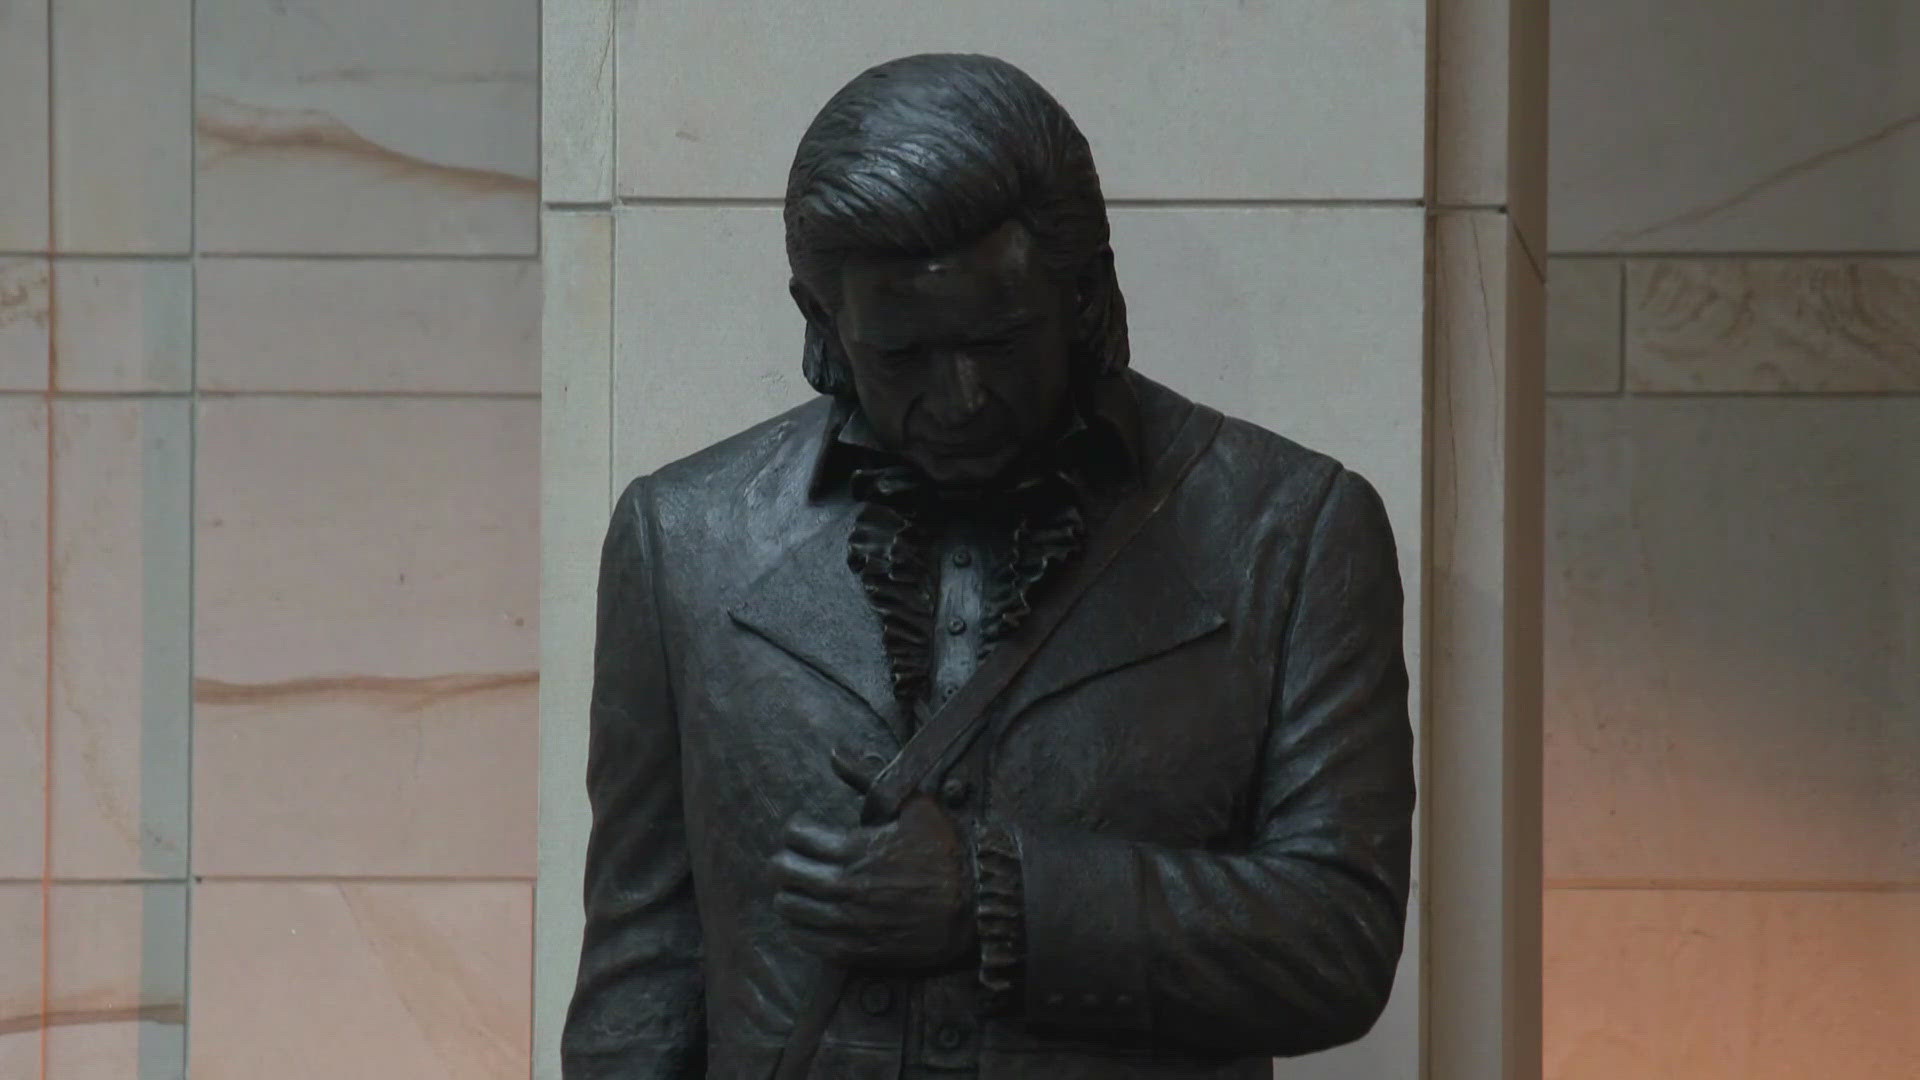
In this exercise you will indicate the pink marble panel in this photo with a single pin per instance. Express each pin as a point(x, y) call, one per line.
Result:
point(123, 126)
point(19, 980)
point(1702, 985)
point(25, 323)
point(368, 126)
point(23, 636)
point(366, 640)
point(23, 125)
point(1731, 641)
point(117, 978)
point(322, 981)
point(121, 634)
point(360, 325)
point(124, 325)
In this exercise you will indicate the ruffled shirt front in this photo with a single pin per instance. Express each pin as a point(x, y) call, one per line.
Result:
point(1029, 526)
point(1009, 543)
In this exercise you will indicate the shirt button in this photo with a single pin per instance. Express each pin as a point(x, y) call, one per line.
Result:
point(956, 625)
point(963, 558)
point(950, 1036)
point(955, 791)
point(876, 998)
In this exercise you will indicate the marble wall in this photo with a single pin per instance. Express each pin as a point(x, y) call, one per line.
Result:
point(1733, 631)
point(1277, 199)
point(269, 303)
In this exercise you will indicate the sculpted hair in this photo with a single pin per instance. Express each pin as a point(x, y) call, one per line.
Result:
point(923, 154)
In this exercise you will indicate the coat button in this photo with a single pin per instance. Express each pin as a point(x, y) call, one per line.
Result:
point(1090, 1000)
point(876, 998)
point(955, 791)
point(950, 1036)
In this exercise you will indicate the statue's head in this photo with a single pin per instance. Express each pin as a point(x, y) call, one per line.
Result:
point(949, 248)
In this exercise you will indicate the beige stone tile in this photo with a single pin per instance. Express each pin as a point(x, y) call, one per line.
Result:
point(374, 325)
point(1305, 321)
point(23, 125)
point(1483, 893)
point(19, 979)
point(1730, 641)
point(122, 543)
point(124, 324)
point(122, 126)
point(1773, 325)
point(1678, 127)
point(23, 636)
point(1253, 100)
point(368, 127)
point(117, 974)
point(577, 331)
point(1758, 986)
point(1308, 342)
point(316, 982)
point(24, 323)
point(696, 284)
point(1528, 125)
point(1471, 101)
point(576, 101)
point(366, 636)
point(1583, 326)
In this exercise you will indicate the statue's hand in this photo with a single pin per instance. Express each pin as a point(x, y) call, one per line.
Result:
point(898, 895)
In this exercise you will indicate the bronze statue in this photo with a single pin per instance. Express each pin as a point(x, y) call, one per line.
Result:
point(1000, 712)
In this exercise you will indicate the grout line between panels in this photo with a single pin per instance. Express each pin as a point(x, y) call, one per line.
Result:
point(1737, 256)
point(1728, 886)
point(192, 511)
point(289, 256)
point(47, 658)
point(774, 203)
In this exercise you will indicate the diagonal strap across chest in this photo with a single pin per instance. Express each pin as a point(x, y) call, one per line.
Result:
point(944, 736)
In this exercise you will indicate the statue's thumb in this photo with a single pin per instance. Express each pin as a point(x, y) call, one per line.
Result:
point(851, 774)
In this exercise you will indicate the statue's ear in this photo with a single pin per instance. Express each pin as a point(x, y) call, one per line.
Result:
point(822, 360)
point(810, 307)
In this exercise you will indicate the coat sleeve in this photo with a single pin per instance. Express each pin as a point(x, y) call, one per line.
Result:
point(638, 1011)
point(1289, 945)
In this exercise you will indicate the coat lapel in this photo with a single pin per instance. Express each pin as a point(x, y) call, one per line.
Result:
point(1142, 606)
point(810, 605)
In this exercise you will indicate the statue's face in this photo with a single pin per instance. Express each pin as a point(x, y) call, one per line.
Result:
point(960, 361)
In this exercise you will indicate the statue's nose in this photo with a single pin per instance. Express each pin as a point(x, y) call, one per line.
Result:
point(963, 392)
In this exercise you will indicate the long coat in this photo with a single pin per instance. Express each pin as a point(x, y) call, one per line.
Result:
point(1208, 768)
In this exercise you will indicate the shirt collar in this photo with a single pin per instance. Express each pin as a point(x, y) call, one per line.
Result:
point(1104, 410)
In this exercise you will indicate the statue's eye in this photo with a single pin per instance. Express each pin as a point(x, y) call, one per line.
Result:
point(993, 349)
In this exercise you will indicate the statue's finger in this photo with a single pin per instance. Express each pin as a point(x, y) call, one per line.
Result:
point(809, 876)
point(811, 913)
point(821, 842)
